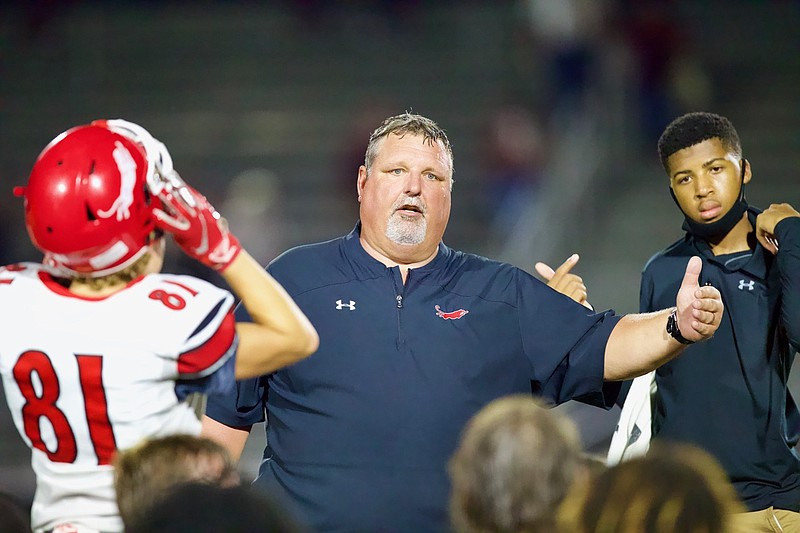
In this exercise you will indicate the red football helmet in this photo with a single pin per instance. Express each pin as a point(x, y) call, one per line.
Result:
point(87, 202)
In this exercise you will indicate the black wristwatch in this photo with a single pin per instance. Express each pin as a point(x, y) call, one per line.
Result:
point(672, 328)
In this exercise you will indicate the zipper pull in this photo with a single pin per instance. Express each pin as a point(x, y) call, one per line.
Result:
point(399, 299)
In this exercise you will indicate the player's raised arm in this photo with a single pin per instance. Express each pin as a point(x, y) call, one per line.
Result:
point(232, 439)
point(280, 333)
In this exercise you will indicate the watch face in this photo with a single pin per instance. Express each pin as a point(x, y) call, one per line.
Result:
point(672, 329)
point(672, 324)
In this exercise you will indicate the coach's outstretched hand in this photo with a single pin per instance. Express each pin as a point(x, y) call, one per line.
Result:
point(564, 281)
point(196, 226)
point(700, 309)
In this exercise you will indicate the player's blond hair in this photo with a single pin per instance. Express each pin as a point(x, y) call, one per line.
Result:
point(122, 277)
point(675, 488)
point(146, 473)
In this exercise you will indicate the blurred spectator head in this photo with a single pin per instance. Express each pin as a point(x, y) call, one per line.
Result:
point(515, 145)
point(146, 473)
point(673, 489)
point(515, 462)
point(203, 508)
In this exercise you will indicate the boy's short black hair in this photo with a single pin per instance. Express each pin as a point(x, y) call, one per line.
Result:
point(692, 128)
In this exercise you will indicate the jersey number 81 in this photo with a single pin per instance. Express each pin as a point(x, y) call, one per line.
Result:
point(43, 404)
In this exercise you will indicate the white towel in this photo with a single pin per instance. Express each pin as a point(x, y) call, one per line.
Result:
point(632, 435)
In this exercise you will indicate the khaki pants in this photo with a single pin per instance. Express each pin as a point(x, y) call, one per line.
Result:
point(768, 520)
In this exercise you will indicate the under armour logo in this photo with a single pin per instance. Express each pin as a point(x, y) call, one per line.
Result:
point(746, 284)
point(341, 305)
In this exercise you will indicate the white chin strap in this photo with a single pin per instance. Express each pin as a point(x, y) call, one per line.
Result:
point(160, 171)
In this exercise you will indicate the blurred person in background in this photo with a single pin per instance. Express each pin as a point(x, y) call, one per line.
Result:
point(667, 72)
point(513, 165)
point(566, 36)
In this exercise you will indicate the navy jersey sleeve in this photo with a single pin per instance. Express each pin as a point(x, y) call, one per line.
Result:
point(788, 234)
point(565, 343)
point(240, 406)
point(220, 382)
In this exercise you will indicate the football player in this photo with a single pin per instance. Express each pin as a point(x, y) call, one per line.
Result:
point(99, 348)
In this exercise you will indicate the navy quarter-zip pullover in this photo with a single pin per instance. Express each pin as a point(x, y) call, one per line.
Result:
point(728, 394)
point(359, 434)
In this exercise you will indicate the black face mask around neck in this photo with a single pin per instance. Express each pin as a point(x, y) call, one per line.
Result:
point(722, 226)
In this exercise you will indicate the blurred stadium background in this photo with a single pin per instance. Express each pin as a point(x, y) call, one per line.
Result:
point(553, 108)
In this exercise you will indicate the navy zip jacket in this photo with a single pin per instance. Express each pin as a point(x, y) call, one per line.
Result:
point(728, 394)
point(359, 434)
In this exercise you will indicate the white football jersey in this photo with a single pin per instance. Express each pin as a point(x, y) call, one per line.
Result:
point(84, 377)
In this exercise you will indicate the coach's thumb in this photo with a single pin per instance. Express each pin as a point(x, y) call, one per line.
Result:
point(544, 270)
point(692, 276)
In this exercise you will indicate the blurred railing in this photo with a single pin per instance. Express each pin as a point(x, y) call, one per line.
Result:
point(590, 135)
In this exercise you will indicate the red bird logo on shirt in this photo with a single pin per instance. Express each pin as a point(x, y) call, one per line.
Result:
point(450, 315)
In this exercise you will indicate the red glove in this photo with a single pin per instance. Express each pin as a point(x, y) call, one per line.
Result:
point(195, 225)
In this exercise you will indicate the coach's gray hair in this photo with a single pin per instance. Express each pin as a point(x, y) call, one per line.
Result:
point(407, 123)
